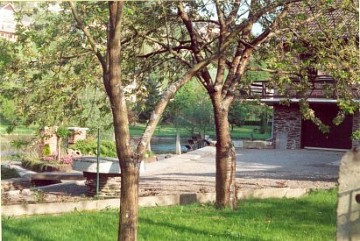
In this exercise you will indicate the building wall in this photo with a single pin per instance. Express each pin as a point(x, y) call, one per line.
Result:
point(287, 127)
point(356, 127)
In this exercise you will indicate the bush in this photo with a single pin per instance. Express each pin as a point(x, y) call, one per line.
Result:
point(89, 147)
point(34, 164)
point(7, 173)
point(48, 163)
point(46, 150)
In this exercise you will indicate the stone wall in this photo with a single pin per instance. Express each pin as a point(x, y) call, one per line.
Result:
point(109, 184)
point(15, 184)
point(287, 127)
point(76, 134)
point(355, 127)
point(348, 208)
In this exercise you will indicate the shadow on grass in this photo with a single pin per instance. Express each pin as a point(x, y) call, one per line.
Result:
point(311, 218)
point(21, 233)
point(184, 232)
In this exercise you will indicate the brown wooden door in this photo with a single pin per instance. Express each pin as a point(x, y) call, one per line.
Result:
point(339, 136)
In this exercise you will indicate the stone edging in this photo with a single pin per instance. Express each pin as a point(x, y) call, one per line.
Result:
point(150, 201)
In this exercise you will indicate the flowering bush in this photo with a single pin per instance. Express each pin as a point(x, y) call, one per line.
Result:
point(49, 158)
point(66, 160)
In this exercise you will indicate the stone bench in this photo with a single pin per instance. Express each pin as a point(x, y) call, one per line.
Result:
point(109, 184)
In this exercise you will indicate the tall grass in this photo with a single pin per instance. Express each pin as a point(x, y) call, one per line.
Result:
point(308, 218)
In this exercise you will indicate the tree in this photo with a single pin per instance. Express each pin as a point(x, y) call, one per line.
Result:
point(235, 44)
point(55, 64)
point(129, 159)
point(224, 28)
point(8, 106)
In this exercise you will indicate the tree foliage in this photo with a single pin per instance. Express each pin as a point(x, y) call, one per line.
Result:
point(191, 109)
point(326, 44)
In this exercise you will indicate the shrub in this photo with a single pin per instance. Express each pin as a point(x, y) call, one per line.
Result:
point(46, 150)
point(89, 147)
point(62, 132)
point(7, 173)
point(34, 164)
point(108, 149)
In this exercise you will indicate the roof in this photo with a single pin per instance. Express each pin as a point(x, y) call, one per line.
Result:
point(7, 6)
point(327, 17)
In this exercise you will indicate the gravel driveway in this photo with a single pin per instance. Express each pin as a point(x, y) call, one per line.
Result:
point(195, 171)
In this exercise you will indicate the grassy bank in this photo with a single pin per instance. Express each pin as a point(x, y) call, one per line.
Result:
point(309, 218)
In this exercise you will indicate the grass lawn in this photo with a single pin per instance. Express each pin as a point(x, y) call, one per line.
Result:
point(309, 218)
point(20, 130)
point(244, 132)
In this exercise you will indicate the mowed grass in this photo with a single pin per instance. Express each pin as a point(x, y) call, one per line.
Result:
point(20, 130)
point(244, 132)
point(309, 218)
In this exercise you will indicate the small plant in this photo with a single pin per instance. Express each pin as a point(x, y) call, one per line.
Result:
point(46, 150)
point(39, 196)
point(356, 135)
point(148, 154)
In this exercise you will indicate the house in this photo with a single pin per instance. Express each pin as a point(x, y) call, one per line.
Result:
point(7, 22)
point(290, 130)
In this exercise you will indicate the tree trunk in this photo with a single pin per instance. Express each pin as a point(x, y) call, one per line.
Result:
point(226, 192)
point(129, 201)
point(129, 162)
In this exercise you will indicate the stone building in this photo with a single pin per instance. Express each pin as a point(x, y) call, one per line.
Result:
point(290, 130)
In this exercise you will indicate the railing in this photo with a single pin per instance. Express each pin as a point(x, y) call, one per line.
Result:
point(321, 87)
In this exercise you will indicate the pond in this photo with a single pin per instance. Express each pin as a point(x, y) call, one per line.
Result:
point(167, 145)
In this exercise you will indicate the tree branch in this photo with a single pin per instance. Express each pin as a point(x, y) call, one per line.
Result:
point(165, 98)
point(195, 43)
point(87, 33)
